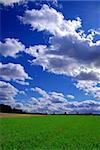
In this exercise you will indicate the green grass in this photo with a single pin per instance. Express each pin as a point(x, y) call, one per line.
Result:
point(50, 133)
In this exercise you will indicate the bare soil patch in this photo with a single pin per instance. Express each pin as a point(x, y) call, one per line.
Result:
point(11, 115)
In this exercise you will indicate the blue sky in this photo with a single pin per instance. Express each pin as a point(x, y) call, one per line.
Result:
point(37, 57)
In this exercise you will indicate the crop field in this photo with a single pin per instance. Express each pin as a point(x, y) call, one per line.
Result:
point(51, 132)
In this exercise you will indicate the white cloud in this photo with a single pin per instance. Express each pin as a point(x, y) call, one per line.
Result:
point(22, 92)
point(11, 2)
point(22, 82)
point(18, 105)
point(13, 72)
point(42, 106)
point(70, 96)
point(89, 87)
point(55, 102)
point(56, 97)
point(36, 50)
point(71, 52)
point(41, 92)
point(7, 92)
point(53, 96)
point(11, 47)
point(50, 20)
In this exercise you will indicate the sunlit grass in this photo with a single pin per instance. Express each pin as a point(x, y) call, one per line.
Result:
point(50, 133)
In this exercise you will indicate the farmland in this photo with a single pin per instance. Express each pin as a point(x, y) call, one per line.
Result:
point(69, 132)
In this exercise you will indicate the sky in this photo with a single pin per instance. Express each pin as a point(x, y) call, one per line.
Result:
point(50, 56)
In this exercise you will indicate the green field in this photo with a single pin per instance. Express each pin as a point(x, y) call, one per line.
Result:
point(50, 133)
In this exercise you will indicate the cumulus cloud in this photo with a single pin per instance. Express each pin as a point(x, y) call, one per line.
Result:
point(22, 82)
point(13, 72)
point(11, 2)
point(50, 20)
point(54, 102)
point(89, 87)
point(48, 102)
point(70, 96)
point(22, 92)
point(18, 105)
point(11, 47)
point(36, 50)
point(7, 93)
point(41, 92)
point(81, 107)
point(71, 51)
point(56, 97)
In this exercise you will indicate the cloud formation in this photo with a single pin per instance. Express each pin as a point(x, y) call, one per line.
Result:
point(50, 20)
point(70, 96)
point(11, 2)
point(48, 102)
point(41, 92)
point(71, 51)
point(11, 47)
point(13, 72)
point(89, 87)
point(68, 46)
point(54, 102)
point(7, 93)
point(53, 96)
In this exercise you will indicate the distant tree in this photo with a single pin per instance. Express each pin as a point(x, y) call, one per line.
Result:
point(16, 110)
point(5, 108)
point(65, 113)
point(8, 109)
point(53, 113)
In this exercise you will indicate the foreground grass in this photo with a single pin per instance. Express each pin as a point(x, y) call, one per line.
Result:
point(50, 133)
